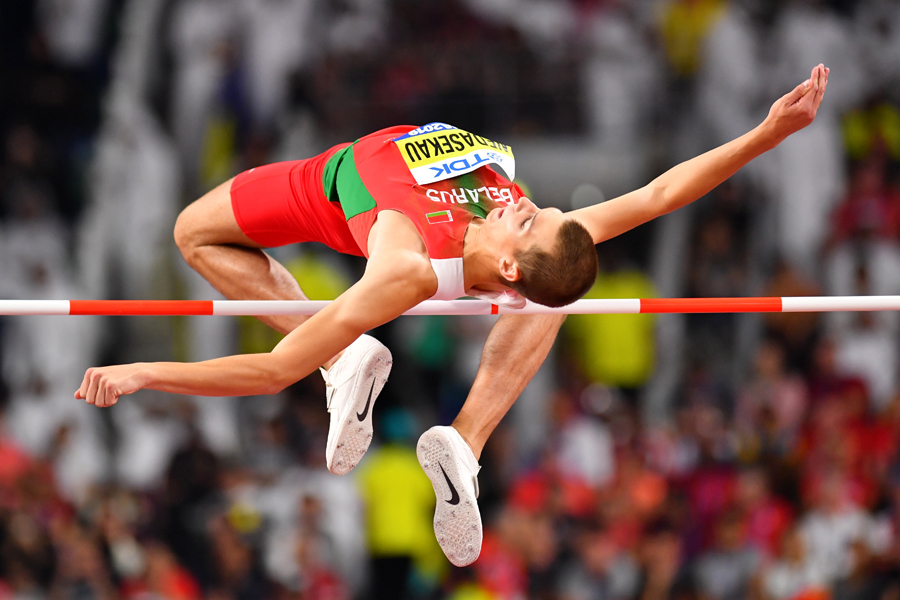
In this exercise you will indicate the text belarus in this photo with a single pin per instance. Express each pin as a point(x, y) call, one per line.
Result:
point(474, 195)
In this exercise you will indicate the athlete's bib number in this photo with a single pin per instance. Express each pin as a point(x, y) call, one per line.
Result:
point(438, 151)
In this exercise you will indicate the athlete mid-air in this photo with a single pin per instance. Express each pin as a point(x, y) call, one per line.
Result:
point(436, 213)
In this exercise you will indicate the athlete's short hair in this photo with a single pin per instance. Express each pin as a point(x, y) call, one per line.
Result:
point(563, 275)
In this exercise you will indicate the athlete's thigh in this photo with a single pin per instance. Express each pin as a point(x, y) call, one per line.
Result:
point(211, 221)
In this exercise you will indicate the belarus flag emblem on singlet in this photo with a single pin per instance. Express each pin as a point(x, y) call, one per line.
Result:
point(443, 216)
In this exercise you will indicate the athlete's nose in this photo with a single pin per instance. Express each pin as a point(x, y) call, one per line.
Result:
point(524, 204)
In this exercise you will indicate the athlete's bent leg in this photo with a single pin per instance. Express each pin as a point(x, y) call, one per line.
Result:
point(213, 244)
point(514, 351)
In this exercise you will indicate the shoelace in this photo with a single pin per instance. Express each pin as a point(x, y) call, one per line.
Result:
point(329, 389)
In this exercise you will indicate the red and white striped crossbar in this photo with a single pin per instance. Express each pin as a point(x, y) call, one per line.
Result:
point(453, 307)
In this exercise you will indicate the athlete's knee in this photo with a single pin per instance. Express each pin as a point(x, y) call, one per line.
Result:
point(197, 224)
point(193, 232)
point(210, 221)
point(185, 233)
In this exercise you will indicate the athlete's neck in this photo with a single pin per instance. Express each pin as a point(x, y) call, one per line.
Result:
point(480, 262)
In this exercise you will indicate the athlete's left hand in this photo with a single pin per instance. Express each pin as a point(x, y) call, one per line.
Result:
point(102, 386)
point(797, 109)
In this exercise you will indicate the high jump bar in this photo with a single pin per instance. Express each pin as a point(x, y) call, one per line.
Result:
point(453, 307)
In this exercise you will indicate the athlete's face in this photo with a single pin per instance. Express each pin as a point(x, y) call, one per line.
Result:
point(518, 227)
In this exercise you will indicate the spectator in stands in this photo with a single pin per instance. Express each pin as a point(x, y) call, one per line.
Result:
point(237, 570)
point(663, 570)
point(868, 350)
point(775, 390)
point(871, 208)
point(584, 443)
point(600, 569)
point(877, 31)
point(793, 576)
point(621, 68)
point(81, 571)
point(766, 516)
point(684, 26)
point(163, 577)
point(834, 523)
point(615, 350)
point(399, 504)
point(811, 174)
point(795, 331)
point(725, 571)
point(863, 581)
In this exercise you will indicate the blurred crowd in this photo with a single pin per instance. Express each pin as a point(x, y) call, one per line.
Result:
point(770, 470)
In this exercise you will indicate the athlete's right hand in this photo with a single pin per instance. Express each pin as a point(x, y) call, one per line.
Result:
point(102, 386)
point(797, 109)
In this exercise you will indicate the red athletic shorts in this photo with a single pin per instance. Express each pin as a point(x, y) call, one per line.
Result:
point(284, 203)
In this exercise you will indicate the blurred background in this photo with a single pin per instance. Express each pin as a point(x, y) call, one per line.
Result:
point(705, 457)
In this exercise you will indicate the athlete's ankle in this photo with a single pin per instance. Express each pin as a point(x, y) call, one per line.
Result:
point(476, 450)
point(330, 362)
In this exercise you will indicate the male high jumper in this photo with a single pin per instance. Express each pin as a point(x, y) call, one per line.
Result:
point(436, 213)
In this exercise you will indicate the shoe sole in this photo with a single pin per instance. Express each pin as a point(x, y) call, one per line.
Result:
point(457, 527)
point(354, 436)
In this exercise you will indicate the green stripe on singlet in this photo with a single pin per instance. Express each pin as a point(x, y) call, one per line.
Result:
point(343, 184)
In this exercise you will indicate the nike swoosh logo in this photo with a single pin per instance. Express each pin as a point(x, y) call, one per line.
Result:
point(365, 411)
point(454, 495)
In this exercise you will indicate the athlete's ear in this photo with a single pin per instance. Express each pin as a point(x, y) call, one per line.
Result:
point(509, 269)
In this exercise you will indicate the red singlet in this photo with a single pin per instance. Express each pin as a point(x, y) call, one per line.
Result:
point(335, 198)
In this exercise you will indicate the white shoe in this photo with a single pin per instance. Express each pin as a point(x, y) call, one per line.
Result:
point(351, 386)
point(451, 466)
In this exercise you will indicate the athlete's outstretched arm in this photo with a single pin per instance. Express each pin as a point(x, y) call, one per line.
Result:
point(693, 179)
point(398, 276)
point(518, 344)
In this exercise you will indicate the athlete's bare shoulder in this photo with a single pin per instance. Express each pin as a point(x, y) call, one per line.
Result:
point(395, 243)
point(394, 230)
